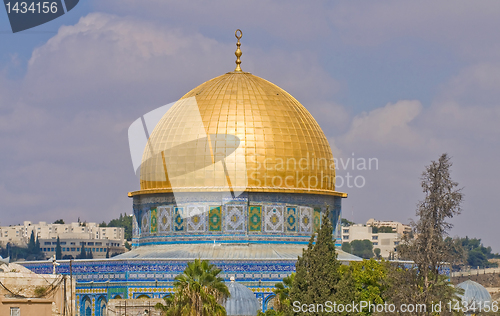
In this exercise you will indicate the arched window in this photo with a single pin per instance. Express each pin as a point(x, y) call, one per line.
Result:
point(100, 309)
point(143, 296)
point(86, 306)
point(117, 297)
point(269, 302)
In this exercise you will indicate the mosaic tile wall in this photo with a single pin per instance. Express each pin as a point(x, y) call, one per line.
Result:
point(252, 217)
point(98, 281)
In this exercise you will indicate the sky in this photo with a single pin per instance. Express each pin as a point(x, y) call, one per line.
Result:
point(396, 81)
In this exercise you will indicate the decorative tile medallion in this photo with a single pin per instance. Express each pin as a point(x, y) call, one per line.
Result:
point(235, 218)
point(273, 219)
point(215, 219)
point(154, 220)
point(317, 219)
point(178, 219)
point(306, 219)
point(145, 223)
point(255, 218)
point(196, 218)
point(165, 218)
point(291, 219)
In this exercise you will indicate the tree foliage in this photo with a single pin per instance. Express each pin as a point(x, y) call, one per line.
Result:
point(422, 281)
point(366, 281)
point(346, 223)
point(346, 246)
point(317, 272)
point(362, 248)
point(477, 254)
point(197, 291)
point(58, 249)
point(382, 229)
point(124, 221)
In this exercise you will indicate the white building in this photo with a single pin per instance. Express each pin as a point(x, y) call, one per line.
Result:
point(396, 226)
point(20, 234)
point(72, 247)
point(386, 242)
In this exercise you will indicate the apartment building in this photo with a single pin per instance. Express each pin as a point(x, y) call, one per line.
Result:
point(386, 242)
point(396, 226)
point(72, 236)
point(72, 247)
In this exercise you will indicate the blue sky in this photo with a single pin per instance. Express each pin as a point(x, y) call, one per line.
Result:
point(399, 81)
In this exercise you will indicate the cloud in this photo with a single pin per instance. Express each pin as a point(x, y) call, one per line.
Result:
point(66, 138)
point(405, 136)
point(390, 125)
point(461, 25)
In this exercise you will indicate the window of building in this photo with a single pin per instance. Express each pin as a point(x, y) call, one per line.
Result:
point(73, 249)
point(396, 243)
point(15, 311)
point(47, 243)
point(346, 231)
point(72, 243)
point(63, 243)
point(346, 237)
point(90, 243)
point(374, 237)
point(375, 243)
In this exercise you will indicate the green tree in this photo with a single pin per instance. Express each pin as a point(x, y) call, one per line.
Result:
point(58, 249)
point(423, 283)
point(317, 272)
point(199, 291)
point(282, 291)
point(365, 280)
point(346, 246)
point(32, 243)
point(376, 251)
point(124, 221)
point(59, 221)
point(107, 253)
point(83, 253)
point(362, 248)
point(346, 223)
point(90, 255)
point(37, 251)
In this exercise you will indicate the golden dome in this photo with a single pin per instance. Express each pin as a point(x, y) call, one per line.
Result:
point(269, 142)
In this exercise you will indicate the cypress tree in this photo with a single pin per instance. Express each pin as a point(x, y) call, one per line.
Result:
point(37, 247)
point(89, 254)
point(31, 243)
point(58, 249)
point(107, 253)
point(317, 272)
point(83, 253)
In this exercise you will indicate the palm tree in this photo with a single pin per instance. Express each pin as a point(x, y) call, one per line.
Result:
point(197, 292)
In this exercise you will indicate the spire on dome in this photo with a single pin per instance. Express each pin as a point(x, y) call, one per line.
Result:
point(238, 50)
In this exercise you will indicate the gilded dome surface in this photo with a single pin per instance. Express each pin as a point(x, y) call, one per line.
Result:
point(238, 132)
